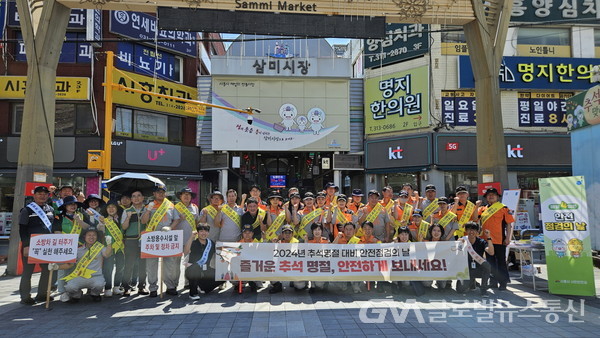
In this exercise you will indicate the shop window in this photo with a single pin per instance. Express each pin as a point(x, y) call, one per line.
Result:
point(123, 122)
point(151, 127)
point(547, 42)
point(17, 117)
point(64, 123)
point(454, 41)
point(84, 120)
point(175, 130)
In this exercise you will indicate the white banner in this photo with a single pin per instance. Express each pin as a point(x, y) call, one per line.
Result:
point(161, 244)
point(53, 248)
point(341, 262)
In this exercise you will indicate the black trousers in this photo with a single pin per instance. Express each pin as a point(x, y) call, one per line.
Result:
point(498, 265)
point(132, 258)
point(203, 279)
point(481, 271)
point(25, 285)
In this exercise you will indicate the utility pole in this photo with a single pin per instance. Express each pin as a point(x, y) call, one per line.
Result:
point(44, 25)
point(486, 36)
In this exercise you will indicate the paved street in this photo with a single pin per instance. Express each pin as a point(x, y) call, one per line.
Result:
point(519, 311)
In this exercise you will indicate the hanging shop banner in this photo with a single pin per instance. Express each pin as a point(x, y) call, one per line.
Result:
point(3, 5)
point(146, 101)
point(567, 236)
point(518, 72)
point(53, 248)
point(67, 88)
point(296, 114)
point(77, 18)
point(402, 42)
point(161, 244)
point(548, 10)
point(71, 52)
point(141, 26)
point(337, 262)
point(583, 109)
point(459, 107)
point(148, 61)
point(397, 101)
point(543, 109)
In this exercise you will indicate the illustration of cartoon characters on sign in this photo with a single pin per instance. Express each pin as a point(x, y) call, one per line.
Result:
point(316, 116)
point(559, 247)
point(288, 113)
point(575, 246)
point(302, 122)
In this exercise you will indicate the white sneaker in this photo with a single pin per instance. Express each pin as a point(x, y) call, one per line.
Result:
point(64, 297)
point(108, 293)
point(196, 297)
point(117, 291)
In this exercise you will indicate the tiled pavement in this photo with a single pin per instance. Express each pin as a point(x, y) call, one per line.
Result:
point(299, 314)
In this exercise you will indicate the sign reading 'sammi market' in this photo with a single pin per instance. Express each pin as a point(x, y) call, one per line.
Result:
point(279, 6)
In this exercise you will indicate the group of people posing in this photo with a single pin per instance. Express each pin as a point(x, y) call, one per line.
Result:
point(109, 263)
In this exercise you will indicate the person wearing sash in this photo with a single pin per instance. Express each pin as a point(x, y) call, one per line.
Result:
point(291, 191)
point(478, 266)
point(413, 195)
point(403, 235)
point(255, 192)
point(330, 190)
point(131, 223)
point(35, 218)
point(388, 199)
point(418, 226)
point(367, 237)
point(338, 215)
point(429, 204)
point(210, 212)
point(292, 209)
point(93, 204)
point(275, 217)
point(402, 211)
point(317, 238)
point(445, 218)
point(375, 213)
point(200, 270)
point(347, 236)
point(499, 220)
point(287, 236)
point(320, 199)
point(356, 203)
point(229, 219)
point(254, 216)
point(247, 237)
point(160, 215)
point(309, 215)
point(87, 272)
point(464, 209)
point(125, 201)
point(110, 223)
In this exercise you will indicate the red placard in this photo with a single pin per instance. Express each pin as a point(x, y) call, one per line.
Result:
point(30, 186)
point(482, 187)
point(452, 146)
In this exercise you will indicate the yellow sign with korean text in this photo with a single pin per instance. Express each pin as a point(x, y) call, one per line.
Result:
point(67, 88)
point(151, 102)
point(455, 48)
point(397, 101)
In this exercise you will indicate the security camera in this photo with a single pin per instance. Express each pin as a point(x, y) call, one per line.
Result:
point(250, 119)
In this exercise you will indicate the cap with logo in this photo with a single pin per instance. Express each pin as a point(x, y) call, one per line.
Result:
point(247, 227)
point(430, 187)
point(357, 192)
point(286, 227)
point(309, 195)
point(461, 188)
point(491, 191)
point(443, 199)
point(41, 188)
point(418, 213)
point(374, 192)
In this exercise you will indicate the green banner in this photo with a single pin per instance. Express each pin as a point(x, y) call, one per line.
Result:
point(567, 236)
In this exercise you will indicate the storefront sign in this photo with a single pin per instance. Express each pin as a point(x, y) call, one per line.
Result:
point(583, 109)
point(347, 162)
point(299, 115)
point(459, 108)
point(67, 88)
point(567, 236)
point(543, 109)
point(399, 152)
point(147, 61)
point(483, 187)
point(53, 248)
point(93, 30)
point(64, 149)
point(152, 154)
point(3, 5)
point(336, 262)
point(150, 102)
point(290, 66)
point(535, 73)
point(548, 10)
point(521, 150)
point(402, 42)
point(397, 101)
point(142, 26)
point(71, 52)
point(77, 19)
point(161, 244)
